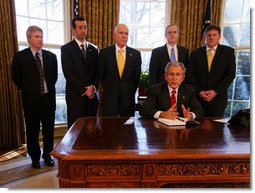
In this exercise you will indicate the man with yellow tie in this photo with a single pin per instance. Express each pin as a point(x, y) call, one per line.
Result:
point(119, 69)
point(211, 70)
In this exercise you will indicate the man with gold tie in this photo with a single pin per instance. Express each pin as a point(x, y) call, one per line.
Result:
point(211, 70)
point(119, 69)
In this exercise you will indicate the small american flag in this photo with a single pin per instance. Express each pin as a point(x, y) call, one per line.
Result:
point(75, 8)
point(207, 17)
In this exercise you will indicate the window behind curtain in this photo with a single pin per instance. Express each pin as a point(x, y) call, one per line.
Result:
point(50, 16)
point(236, 33)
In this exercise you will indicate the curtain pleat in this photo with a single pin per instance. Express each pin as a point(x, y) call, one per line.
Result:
point(188, 15)
point(11, 114)
point(102, 16)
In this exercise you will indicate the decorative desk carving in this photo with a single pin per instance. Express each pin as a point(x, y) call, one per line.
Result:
point(137, 153)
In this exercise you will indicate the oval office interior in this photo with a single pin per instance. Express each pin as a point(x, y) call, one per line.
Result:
point(145, 34)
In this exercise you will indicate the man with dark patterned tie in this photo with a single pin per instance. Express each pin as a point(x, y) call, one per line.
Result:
point(171, 51)
point(172, 97)
point(79, 60)
point(35, 72)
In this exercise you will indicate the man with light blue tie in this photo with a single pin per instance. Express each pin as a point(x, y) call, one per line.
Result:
point(171, 51)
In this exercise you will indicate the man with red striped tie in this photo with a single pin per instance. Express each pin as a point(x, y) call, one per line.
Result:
point(172, 97)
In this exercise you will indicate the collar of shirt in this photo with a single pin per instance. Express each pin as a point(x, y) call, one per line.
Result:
point(171, 89)
point(80, 43)
point(170, 47)
point(34, 52)
point(117, 48)
point(213, 49)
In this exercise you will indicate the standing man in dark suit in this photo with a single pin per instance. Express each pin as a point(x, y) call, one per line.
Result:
point(172, 97)
point(35, 72)
point(212, 69)
point(119, 72)
point(171, 51)
point(79, 60)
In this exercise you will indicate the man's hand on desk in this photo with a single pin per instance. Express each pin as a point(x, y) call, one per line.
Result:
point(186, 112)
point(170, 113)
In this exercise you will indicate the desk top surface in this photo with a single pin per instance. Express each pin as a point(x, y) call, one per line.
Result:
point(134, 138)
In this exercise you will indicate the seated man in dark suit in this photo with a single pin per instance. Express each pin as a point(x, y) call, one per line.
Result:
point(172, 97)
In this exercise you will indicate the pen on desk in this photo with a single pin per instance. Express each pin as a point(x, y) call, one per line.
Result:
point(180, 119)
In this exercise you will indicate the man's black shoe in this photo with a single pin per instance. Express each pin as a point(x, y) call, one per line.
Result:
point(36, 164)
point(49, 162)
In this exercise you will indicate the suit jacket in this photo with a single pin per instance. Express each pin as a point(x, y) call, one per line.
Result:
point(118, 97)
point(79, 73)
point(26, 77)
point(159, 59)
point(219, 78)
point(158, 99)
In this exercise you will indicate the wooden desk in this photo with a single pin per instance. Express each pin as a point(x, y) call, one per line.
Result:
point(117, 152)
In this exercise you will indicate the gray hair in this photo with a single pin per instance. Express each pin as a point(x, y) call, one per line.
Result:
point(31, 29)
point(176, 64)
point(170, 25)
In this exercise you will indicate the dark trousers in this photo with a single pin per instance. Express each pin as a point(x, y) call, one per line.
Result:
point(45, 115)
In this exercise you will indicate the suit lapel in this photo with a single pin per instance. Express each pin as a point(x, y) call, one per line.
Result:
point(112, 57)
point(88, 55)
point(166, 56)
point(166, 97)
point(45, 64)
point(30, 58)
point(77, 50)
point(181, 98)
point(180, 53)
point(203, 59)
point(215, 58)
point(127, 61)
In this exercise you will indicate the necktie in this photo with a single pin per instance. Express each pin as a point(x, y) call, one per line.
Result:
point(172, 55)
point(173, 98)
point(120, 62)
point(209, 59)
point(41, 73)
point(83, 50)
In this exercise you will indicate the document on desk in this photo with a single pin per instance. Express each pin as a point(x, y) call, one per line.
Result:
point(130, 121)
point(172, 122)
point(178, 121)
point(223, 120)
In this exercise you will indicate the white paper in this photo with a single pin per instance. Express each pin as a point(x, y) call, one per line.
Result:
point(130, 121)
point(170, 122)
point(223, 120)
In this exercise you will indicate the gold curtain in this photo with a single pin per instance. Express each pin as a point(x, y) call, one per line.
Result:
point(102, 16)
point(11, 114)
point(188, 15)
